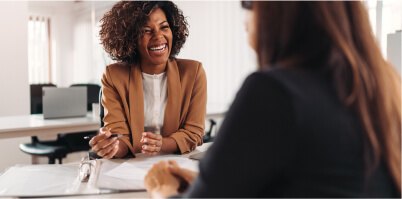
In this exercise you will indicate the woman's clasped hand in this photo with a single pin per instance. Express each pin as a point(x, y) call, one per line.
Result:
point(152, 143)
point(167, 178)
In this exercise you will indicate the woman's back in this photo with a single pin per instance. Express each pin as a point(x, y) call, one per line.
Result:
point(288, 135)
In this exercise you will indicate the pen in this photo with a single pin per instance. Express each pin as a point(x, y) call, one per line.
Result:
point(91, 136)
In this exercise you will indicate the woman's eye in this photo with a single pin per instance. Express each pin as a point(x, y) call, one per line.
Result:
point(147, 31)
point(164, 27)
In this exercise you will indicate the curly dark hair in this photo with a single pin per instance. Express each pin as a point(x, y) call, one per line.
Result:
point(121, 28)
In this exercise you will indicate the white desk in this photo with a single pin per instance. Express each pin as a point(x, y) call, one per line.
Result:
point(137, 194)
point(35, 125)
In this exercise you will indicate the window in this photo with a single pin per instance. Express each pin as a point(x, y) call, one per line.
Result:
point(385, 18)
point(39, 59)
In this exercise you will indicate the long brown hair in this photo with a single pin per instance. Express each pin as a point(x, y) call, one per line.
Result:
point(335, 36)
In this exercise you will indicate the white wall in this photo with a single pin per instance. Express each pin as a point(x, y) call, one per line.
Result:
point(14, 86)
point(90, 59)
point(218, 39)
point(62, 39)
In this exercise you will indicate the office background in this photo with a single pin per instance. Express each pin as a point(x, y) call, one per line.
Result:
point(57, 42)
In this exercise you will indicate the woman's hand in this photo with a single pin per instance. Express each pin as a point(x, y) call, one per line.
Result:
point(159, 182)
point(154, 142)
point(186, 175)
point(103, 145)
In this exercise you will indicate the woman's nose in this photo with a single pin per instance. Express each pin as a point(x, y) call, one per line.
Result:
point(158, 35)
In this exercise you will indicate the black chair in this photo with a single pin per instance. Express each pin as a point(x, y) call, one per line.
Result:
point(101, 109)
point(208, 134)
point(65, 143)
point(52, 149)
point(93, 91)
point(91, 154)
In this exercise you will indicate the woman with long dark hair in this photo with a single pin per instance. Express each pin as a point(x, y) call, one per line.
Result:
point(321, 118)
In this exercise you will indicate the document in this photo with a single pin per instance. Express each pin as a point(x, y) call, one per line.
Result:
point(127, 171)
point(129, 174)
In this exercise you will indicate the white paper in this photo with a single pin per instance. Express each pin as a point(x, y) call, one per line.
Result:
point(127, 171)
point(129, 175)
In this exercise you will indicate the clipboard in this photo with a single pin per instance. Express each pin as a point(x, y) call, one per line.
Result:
point(44, 181)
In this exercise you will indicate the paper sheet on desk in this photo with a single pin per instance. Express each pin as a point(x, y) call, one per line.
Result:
point(127, 171)
point(129, 175)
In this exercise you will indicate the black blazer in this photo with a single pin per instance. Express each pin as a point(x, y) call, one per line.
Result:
point(287, 135)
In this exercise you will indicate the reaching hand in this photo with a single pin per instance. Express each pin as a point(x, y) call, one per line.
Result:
point(159, 182)
point(185, 174)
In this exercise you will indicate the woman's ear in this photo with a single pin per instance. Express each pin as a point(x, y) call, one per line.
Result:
point(250, 24)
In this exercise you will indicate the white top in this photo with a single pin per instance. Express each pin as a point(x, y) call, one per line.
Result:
point(155, 99)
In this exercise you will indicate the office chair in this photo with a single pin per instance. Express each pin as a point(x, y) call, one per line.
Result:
point(208, 134)
point(101, 109)
point(52, 149)
point(92, 94)
point(91, 154)
point(65, 143)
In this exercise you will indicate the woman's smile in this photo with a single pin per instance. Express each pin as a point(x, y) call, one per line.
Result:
point(158, 50)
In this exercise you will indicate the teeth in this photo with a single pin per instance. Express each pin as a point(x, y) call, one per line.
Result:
point(158, 48)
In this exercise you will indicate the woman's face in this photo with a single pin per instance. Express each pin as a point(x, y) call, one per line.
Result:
point(251, 29)
point(156, 44)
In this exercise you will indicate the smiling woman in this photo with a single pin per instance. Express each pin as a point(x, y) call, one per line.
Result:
point(157, 103)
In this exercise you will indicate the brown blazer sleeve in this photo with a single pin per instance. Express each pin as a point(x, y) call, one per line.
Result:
point(115, 118)
point(191, 130)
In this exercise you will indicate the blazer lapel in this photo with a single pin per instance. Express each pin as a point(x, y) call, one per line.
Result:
point(136, 101)
point(173, 109)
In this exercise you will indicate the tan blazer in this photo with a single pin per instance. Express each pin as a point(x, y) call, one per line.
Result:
point(185, 112)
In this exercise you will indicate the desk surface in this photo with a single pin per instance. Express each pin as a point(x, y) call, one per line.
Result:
point(137, 194)
point(35, 125)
